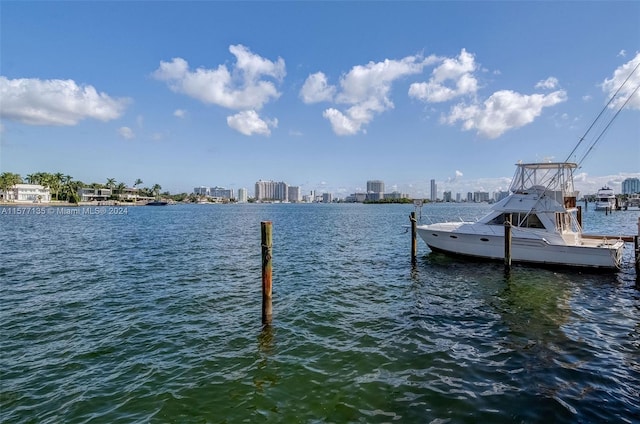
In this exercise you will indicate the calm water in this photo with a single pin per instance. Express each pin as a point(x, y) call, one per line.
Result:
point(155, 316)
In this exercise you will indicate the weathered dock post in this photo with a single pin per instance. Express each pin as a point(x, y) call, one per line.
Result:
point(414, 238)
point(579, 216)
point(267, 246)
point(636, 249)
point(507, 241)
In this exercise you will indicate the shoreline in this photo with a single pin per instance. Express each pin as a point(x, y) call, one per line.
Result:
point(67, 204)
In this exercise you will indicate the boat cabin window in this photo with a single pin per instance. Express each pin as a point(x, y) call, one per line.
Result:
point(519, 220)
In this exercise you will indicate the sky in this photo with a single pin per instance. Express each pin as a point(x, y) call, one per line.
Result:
point(323, 95)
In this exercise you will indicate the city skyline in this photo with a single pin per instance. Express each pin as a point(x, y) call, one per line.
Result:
point(395, 91)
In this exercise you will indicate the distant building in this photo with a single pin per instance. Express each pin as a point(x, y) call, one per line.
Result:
point(469, 197)
point(356, 198)
point(88, 194)
point(446, 196)
point(375, 190)
point(434, 191)
point(480, 196)
point(458, 197)
point(326, 198)
point(395, 195)
point(294, 194)
point(631, 186)
point(271, 191)
point(27, 193)
point(221, 193)
point(202, 191)
point(242, 195)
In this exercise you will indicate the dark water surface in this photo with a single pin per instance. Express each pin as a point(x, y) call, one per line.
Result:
point(155, 316)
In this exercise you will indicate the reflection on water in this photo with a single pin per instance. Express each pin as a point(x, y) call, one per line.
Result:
point(156, 317)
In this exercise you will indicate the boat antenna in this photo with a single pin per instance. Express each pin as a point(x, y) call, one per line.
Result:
point(606, 106)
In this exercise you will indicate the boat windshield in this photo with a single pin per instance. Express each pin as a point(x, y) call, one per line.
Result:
point(525, 220)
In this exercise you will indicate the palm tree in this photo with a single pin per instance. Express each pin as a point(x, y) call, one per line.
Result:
point(70, 189)
point(120, 188)
point(54, 182)
point(156, 190)
point(135, 187)
point(7, 181)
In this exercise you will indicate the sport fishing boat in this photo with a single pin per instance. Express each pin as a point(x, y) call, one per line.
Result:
point(605, 199)
point(544, 223)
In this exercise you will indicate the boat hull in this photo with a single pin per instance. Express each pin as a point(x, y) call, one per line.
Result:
point(526, 247)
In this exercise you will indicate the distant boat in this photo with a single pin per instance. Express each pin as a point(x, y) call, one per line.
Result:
point(632, 202)
point(605, 199)
point(157, 203)
point(544, 225)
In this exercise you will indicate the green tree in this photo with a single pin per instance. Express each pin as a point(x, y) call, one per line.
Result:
point(155, 190)
point(7, 181)
point(120, 188)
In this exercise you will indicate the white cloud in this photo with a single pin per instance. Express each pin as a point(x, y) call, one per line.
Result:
point(548, 84)
point(502, 111)
point(341, 124)
point(316, 89)
point(248, 122)
point(365, 89)
point(55, 102)
point(180, 113)
point(458, 71)
point(610, 86)
point(242, 87)
point(126, 133)
point(622, 53)
point(455, 178)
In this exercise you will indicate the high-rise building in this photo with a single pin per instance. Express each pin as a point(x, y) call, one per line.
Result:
point(326, 198)
point(434, 191)
point(271, 190)
point(242, 195)
point(294, 194)
point(375, 190)
point(201, 191)
point(631, 186)
point(446, 196)
point(221, 192)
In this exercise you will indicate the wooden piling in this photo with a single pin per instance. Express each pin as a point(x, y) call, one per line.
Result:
point(636, 249)
point(414, 238)
point(507, 241)
point(579, 216)
point(267, 246)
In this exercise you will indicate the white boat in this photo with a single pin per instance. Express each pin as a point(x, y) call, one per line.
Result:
point(544, 218)
point(605, 199)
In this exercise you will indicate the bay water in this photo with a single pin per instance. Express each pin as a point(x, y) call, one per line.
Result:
point(153, 314)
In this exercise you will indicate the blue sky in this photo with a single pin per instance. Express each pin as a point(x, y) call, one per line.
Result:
point(324, 95)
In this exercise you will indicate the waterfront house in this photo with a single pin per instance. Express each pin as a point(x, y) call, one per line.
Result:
point(27, 193)
point(88, 194)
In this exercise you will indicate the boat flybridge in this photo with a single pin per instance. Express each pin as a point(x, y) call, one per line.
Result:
point(545, 226)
